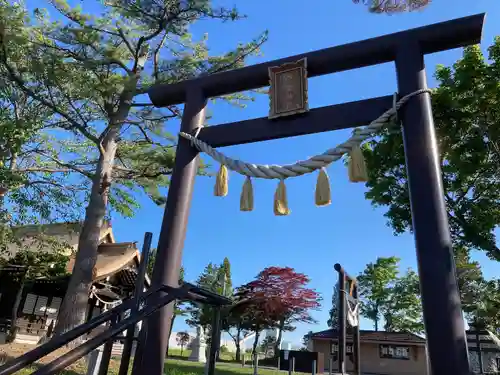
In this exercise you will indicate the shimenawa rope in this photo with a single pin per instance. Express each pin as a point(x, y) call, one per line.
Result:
point(356, 164)
point(304, 166)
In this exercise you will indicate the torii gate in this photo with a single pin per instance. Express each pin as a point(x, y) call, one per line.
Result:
point(447, 347)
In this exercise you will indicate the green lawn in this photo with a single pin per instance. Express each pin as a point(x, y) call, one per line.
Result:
point(184, 354)
point(172, 367)
point(180, 367)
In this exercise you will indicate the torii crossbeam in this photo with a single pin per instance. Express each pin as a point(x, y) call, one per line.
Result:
point(447, 347)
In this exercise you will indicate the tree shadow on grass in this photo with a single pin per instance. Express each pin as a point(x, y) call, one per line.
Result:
point(185, 368)
point(4, 359)
point(194, 368)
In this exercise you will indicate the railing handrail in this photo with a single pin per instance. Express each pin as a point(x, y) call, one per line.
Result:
point(75, 354)
point(186, 290)
point(59, 341)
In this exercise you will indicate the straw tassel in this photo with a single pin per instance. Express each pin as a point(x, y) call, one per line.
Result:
point(357, 166)
point(246, 198)
point(281, 201)
point(323, 195)
point(221, 182)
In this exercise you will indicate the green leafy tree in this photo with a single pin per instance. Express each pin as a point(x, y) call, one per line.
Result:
point(470, 280)
point(465, 106)
point(305, 340)
point(267, 345)
point(333, 320)
point(233, 322)
point(487, 312)
point(182, 339)
point(201, 315)
point(394, 6)
point(92, 72)
point(375, 284)
point(403, 311)
point(40, 255)
point(46, 264)
point(31, 190)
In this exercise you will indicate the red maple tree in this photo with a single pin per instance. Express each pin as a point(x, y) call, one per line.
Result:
point(278, 297)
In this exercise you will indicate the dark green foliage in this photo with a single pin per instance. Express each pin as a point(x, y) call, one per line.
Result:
point(466, 115)
point(394, 6)
point(91, 73)
point(375, 286)
point(403, 311)
point(333, 320)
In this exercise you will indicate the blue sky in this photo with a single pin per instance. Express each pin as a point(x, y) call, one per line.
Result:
point(311, 240)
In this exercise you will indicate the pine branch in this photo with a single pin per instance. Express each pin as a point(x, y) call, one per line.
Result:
point(238, 59)
point(156, 55)
point(129, 173)
point(126, 41)
point(44, 170)
point(67, 165)
point(67, 53)
point(22, 86)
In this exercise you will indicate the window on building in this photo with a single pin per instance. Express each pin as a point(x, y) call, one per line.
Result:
point(29, 304)
point(335, 348)
point(38, 305)
point(394, 352)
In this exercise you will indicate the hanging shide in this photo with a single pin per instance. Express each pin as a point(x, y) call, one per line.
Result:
point(221, 182)
point(357, 166)
point(322, 194)
point(246, 198)
point(281, 200)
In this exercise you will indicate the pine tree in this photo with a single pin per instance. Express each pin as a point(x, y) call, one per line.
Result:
point(92, 72)
point(225, 274)
point(201, 315)
point(394, 6)
point(333, 320)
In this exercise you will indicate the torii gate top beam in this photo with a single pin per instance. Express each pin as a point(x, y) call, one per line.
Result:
point(433, 38)
point(446, 341)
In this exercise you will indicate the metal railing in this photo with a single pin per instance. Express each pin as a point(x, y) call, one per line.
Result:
point(152, 300)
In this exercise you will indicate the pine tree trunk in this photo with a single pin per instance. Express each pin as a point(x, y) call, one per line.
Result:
point(74, 305)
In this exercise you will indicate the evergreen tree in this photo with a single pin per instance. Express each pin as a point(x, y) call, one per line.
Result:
point(201, 315)
point(92, 71)
point(394, 6)
point(225, 274)
point(333, 320)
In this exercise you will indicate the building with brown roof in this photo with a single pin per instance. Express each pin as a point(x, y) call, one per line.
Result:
point(33, 305)
point(382, 353)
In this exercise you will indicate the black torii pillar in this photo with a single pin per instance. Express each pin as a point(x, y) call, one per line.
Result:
point(447, 347)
